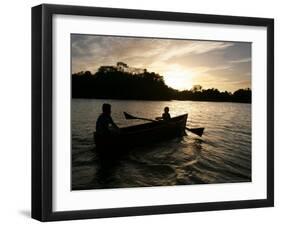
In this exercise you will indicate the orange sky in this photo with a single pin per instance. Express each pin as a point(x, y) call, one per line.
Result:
point(182, 63)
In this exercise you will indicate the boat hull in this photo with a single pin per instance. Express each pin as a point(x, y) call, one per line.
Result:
point(143, 134)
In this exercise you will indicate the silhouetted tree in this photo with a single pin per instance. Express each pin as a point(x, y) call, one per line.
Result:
point(242, 95)
point(196, 88)
point(111, 82)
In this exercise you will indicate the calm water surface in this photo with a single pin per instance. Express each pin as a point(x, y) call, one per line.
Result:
point(221, 155)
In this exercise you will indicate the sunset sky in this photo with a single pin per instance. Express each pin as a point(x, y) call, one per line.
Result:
point(182, 63)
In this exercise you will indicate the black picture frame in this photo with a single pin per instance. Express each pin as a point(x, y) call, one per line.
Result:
point(42, 111)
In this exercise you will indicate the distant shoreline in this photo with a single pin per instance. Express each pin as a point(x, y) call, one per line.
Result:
point(220, 101)
point(110, 82)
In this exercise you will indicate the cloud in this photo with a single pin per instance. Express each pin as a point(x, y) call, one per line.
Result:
point(99, 49)
point(178, 49)
point(213, 61)
point(243, 60)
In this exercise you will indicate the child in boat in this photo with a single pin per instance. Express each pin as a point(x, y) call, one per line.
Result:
point(166, 115)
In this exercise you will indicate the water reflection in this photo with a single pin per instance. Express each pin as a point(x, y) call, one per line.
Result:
point(222, 155)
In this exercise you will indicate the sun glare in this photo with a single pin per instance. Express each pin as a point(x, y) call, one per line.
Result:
point(178, 79)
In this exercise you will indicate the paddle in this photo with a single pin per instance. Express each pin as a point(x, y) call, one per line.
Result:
point(197, 131)
point(128, 116)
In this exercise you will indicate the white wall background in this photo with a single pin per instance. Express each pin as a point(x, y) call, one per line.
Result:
point(15, 113)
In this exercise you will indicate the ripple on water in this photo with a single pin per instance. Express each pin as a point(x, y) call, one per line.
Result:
point(222, 155)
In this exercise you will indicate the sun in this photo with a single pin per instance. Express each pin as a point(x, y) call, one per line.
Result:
point(178, 79)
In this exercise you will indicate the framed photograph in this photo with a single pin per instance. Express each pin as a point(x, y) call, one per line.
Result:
point(145, 112)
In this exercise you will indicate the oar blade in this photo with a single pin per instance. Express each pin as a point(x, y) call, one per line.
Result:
point(128, 116)
point(197, 131)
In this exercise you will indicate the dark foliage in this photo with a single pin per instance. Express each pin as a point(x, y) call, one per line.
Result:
point(110, 83)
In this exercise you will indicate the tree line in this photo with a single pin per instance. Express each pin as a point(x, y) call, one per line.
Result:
point(109, 82)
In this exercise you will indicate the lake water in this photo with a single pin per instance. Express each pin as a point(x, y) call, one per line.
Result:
point(221, 155)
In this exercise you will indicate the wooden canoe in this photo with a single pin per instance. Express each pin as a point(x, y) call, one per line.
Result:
point(146, 133)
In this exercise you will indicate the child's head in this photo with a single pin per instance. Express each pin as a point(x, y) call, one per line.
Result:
point(166, 109)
